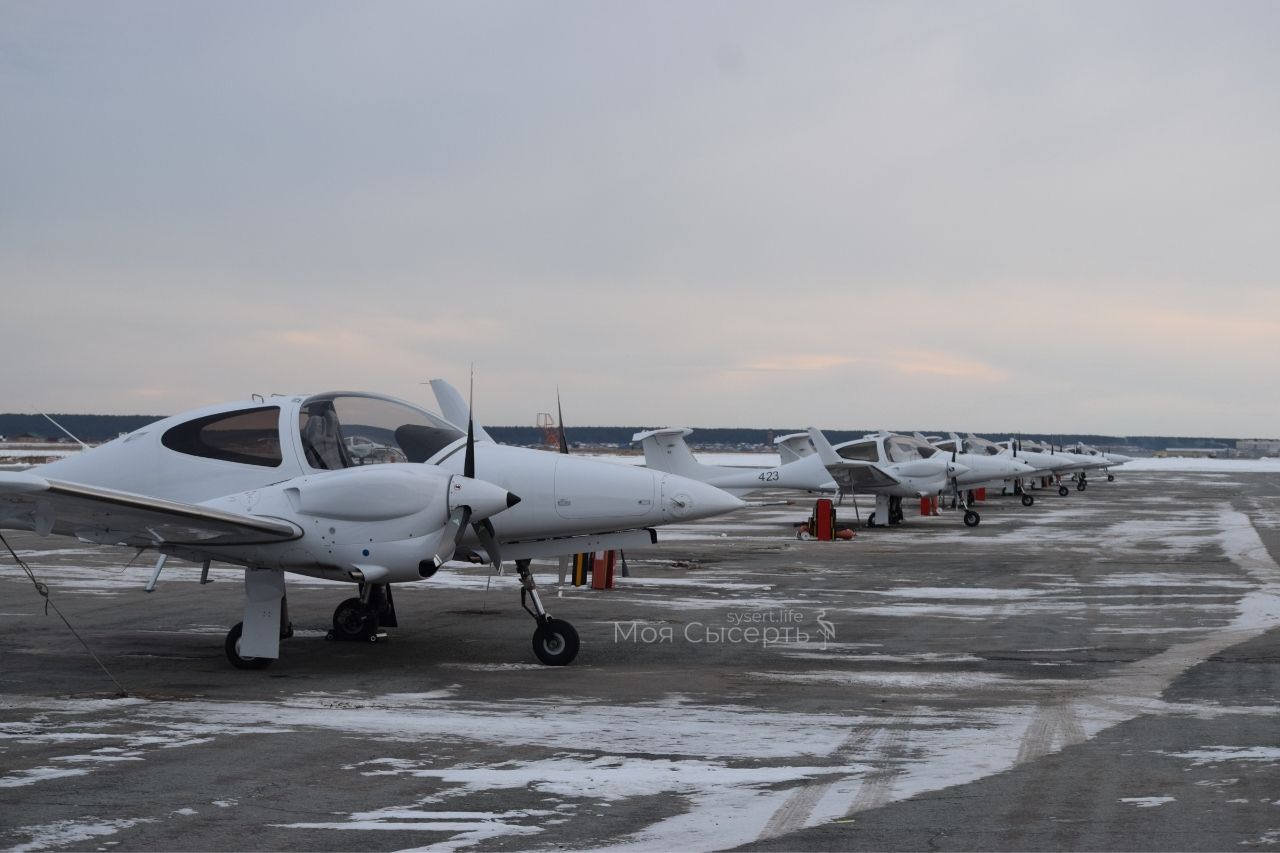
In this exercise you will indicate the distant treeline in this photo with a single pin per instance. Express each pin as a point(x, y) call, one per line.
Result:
point(88, 428)
point(99, 428)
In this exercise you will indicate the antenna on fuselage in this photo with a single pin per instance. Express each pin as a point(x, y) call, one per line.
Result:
point(64, 429)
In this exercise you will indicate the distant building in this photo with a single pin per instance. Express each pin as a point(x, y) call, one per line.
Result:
point(1195, 452)
point(1259, 446)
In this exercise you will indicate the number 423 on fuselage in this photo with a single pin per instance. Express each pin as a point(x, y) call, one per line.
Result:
point(347, 486)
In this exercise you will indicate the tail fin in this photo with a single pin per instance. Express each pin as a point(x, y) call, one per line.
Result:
point(665, 450)
point(454, 408)
point(794, 447)
point(824, 448)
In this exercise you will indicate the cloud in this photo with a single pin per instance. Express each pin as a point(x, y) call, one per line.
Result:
point(718, 213)
point(797, 364)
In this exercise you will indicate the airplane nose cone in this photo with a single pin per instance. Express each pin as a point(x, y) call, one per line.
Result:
point(484, 498)
point(958, 469)
point(688, 500)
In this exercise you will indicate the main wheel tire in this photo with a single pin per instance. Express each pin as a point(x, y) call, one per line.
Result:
point(1111, 478)
point(1064, 491)
point(871, 520)
point(1028, 500)
point(232, 647)
point(971, 518)
point(555, 642)
point(1082, 485)
point(354, 620)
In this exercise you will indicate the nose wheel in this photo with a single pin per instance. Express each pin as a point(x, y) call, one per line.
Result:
point(1064, 491)
point(354, 620)
point(971, 518)
point(555, 641)
point(1028, 500)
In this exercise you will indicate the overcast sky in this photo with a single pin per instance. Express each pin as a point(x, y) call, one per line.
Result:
point(1038, 216)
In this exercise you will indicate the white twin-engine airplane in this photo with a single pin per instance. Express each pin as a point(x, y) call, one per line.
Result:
point(290, 484)
point(666, 450)
point(893, 467)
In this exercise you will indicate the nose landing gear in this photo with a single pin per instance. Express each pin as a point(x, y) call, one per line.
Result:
point(555, 641)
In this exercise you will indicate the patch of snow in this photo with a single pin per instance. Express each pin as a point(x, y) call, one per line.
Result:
point(1221, 754)
point(1148, 802)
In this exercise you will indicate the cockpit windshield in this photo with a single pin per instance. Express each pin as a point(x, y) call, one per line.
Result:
point(343, 430)
point(981, 447)
point(901, 448)
point(859, 451)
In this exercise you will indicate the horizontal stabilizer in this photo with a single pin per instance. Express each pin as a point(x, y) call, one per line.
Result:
point(665, 431)
point(794, 447)
point(666, 451)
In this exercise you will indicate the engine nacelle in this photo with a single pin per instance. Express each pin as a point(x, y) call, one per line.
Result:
point(376, 524)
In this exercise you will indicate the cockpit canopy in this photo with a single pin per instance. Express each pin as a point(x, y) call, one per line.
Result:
point(896, 448)
point(905, 448)
point(343, 430)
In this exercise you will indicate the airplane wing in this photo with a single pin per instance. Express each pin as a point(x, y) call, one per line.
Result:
point(851, 475)
point(110, 517)
point(557, 546)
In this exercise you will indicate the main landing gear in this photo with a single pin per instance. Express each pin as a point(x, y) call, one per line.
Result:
point(886, 507)
point(1081, 483)
point(360, 619)
point(255, 642)
point(555, 641)
point(232, 648)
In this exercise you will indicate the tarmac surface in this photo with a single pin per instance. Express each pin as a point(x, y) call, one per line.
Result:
point(1100, 671)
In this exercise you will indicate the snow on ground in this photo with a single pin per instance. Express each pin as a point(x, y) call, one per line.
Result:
point(819, 766)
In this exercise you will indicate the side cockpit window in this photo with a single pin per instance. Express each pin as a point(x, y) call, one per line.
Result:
point(863, 451)
point(247, 437)
point(322, 441)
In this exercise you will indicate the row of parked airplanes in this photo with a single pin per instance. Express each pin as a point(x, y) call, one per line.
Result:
point(277, 485)
point(891, 467)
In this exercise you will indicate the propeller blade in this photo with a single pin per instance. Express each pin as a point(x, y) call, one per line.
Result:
point(469, 461)
point(484, 527)
point(564, 440)
point(454, 529)
point(489, 539)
